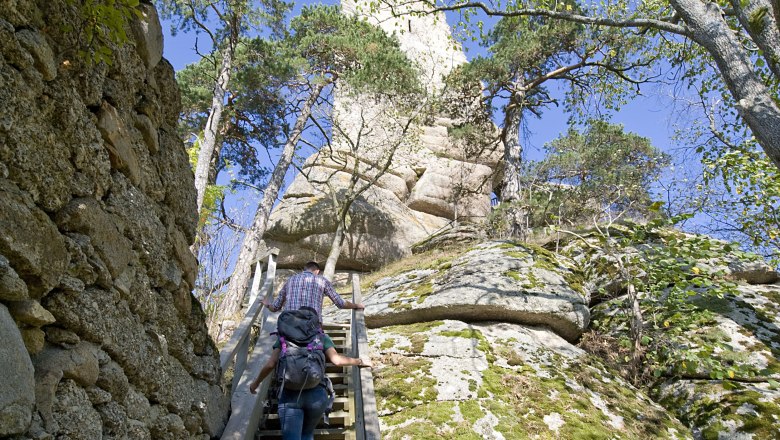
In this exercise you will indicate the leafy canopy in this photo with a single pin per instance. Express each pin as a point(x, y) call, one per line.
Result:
point(347, 48)
point(602, 169)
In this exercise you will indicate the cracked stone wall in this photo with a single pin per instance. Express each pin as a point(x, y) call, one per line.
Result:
point(101, 335)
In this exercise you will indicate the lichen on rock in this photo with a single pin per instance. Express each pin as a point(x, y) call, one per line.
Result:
point(499, 380)
point(97, 210)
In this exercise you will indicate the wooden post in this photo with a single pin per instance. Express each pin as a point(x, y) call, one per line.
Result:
point(256, 281)
point(366, 415)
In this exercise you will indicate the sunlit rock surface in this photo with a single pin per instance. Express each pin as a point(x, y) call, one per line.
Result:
point(101, 335)
point(434, 177)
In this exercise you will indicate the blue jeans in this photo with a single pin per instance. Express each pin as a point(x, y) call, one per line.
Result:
point(301, 411)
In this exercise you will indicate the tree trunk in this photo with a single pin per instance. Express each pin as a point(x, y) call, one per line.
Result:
point(510, 192)
point(753, 98)
point(513, 151)
point(636, 328)
point(764, 32)
point(242, 272)
point(208, 145)
point(335, 251)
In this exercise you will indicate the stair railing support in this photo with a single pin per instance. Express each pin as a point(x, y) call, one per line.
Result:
point(245, 407)
point(366, 415)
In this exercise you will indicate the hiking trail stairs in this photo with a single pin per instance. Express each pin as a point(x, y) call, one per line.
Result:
point(253, 416)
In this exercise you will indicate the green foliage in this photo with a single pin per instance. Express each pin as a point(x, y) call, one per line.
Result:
point(345, 47)
point(752, 183)
point(225, 20)
point(585, 175)
point(525, 52)
point(255, 113)
point(103, 27)
point(679, 298)
point(214, 193)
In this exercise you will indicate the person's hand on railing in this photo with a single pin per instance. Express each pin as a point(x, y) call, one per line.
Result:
point(253, 386)
point(364, 363)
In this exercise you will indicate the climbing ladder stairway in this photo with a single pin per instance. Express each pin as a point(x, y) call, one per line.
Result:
point(342, 417)
point(354, 413)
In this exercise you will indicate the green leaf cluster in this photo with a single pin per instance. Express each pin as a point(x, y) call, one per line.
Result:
point(590, 173)
point(255, 114)
point(333, 45)
point(103, 26)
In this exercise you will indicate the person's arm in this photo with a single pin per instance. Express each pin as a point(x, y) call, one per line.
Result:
point(277, 305)
point(265, 371)
point(351, 305)
point(344, 361)
point(338, 300)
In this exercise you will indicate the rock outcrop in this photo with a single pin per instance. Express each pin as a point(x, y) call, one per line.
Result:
point(459, 380)
point(435, 177)
point(477, 342)
point(715, 351)
point(101, 335)
point(494, 281)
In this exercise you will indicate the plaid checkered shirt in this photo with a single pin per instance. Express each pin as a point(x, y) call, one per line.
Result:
point(306, 290)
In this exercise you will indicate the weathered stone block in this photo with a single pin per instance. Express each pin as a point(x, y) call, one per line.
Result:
point(87, 217)
point(494, 282)
point(30, 241)
point(74, 414)
point(31, 312)
point(118, 143)
point(36, 44)
point(148, 36)
point(12, 288)
point(34, 339)
point(148, 131)
point(17, 390)
point(62, 337)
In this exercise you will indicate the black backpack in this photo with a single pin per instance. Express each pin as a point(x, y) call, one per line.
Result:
point(301, 364)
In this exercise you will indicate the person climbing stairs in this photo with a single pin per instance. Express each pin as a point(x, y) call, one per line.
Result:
point(341, 419)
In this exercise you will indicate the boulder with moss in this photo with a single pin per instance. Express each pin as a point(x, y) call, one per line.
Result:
point(494, 281)
point(711, 335)
point(452, 379)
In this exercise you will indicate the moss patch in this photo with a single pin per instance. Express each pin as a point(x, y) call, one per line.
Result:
point(428, 421)
point(404, 383)
point(388, 343)
point(699, 407)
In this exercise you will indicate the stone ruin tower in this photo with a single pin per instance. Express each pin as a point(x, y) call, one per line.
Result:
point(434, 179)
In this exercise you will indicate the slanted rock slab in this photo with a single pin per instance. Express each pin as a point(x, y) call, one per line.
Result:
point(496, 281)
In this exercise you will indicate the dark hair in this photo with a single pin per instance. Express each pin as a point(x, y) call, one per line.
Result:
point(311, 265)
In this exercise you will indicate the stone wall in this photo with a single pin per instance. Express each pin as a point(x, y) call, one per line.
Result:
point(101, 335)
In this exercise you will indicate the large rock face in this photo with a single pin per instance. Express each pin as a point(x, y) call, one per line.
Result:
point(451, 379)
point(476, 342)
point(101, 336)
point(435, 176)
point(714, 353)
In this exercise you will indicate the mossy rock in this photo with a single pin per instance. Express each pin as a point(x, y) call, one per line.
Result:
point(492, 380)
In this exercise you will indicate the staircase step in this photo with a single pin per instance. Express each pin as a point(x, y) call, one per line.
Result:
point(336, 418)
point(323, 434)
